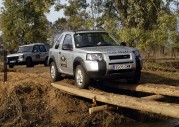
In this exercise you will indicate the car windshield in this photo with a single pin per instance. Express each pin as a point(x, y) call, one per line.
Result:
point(94, 39)
point(25, 49)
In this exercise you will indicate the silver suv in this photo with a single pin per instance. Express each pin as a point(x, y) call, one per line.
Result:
point(29, 55)
point(94, 55)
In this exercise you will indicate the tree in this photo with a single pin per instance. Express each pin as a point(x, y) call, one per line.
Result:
point(24, 22)
point(76, 15)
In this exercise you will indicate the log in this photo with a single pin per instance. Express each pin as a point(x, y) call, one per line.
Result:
point(106, 107)
point(167, 109)
point(153, 97)
point(149, 88)
point(98, 109)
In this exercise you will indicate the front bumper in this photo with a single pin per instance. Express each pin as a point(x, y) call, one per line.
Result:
point(15, 61)
point(101, 69)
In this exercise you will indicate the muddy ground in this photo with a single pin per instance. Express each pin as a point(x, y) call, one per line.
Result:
point(28, 99)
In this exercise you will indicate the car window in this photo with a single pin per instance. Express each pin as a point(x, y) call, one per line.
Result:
point(58, 42)
point(36, 48)
point(42, 48)
point(67, 41)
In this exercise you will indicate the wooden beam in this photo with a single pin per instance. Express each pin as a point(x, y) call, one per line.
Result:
point(98, 109)
point(153, 97)
point(171, 110)
point(106, 107)
point(149, 88)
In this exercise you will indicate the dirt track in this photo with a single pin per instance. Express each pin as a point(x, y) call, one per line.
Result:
point(28, 94)
point(27, 99)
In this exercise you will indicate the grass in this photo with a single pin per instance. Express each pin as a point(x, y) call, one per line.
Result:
point(162, 66)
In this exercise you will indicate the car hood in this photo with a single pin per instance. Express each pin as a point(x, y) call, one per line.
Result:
point(14, 55)
point(108, 49)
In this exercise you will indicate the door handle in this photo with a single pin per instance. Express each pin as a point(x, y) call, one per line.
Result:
point(59, 52)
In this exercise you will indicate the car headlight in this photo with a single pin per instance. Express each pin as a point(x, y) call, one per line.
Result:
point(94, 56)
point(136, 52)
point(20, 58)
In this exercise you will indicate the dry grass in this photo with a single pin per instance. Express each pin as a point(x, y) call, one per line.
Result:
point(11, 109)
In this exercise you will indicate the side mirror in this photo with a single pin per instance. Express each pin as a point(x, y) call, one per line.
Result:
point(56, 46)
point(123, 44)
point(67, 47)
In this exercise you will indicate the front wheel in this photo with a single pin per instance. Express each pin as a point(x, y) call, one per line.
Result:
point(81, 78)
point(136, 78)
point(55, 75)
point(29, 62)
point(11, 66)
point(46, 62)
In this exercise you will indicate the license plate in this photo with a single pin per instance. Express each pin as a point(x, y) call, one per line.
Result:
point(12, 61)
point(121, 66)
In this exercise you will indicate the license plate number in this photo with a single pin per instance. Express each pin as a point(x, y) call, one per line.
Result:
point(121, 66)
point(12, 61)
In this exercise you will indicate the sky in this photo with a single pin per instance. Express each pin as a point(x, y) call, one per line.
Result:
point(52, 16)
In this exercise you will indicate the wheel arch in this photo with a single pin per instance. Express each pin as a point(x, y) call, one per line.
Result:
point(28, 58)
point(78, 61)
point(51, 59)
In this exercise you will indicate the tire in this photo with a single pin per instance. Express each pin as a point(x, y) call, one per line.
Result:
point(81, 78)
point(55, 75)
point(136, 78)
point(29, 62)
point(46, 62)
point(11, 66)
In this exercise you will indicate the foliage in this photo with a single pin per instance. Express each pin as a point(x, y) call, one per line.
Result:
point(143, 24)
point(24, 21)
point(75, 14)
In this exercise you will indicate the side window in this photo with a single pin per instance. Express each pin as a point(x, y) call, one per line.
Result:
point(42, 48)
point(36, 48)
point(58, 42)
point(67, 43)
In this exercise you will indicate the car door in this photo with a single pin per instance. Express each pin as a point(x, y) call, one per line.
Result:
point(56, 50)
point(66, 55)
point(35, 53)
point(43, 53)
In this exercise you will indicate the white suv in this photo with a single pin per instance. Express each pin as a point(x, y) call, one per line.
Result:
point(94, 55)
point(29, 55)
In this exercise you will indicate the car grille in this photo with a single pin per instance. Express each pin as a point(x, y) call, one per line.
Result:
point(12, 58)
point(119, 57)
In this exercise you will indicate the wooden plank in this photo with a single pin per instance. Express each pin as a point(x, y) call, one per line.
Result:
point(171, 110)
point(153, 97)
point(106, 107)
point(149, 88)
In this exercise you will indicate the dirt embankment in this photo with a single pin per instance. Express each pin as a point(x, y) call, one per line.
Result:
point(27, 99)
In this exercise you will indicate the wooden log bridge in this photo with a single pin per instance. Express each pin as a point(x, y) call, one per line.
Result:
point(148, 88)
point(143, 104)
